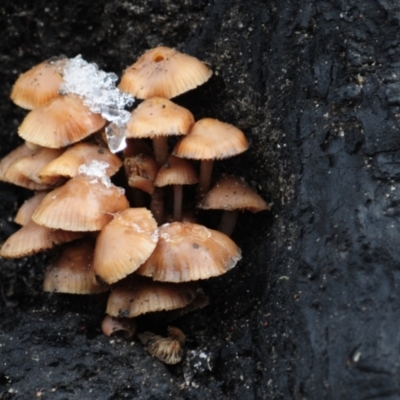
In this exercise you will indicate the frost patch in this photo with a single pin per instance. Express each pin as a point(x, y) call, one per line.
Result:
point(98, 90)
point(97, 170)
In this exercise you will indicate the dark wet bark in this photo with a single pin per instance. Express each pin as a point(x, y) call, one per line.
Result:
point(312, 311)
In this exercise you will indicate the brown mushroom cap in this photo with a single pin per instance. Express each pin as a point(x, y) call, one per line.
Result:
point(60, 122)
point(176, 171)
point(233, 193)
point(33, 238)
point(25, 212)
point(114, 325)
point(163, 72)
point(13, 172)
point(137, 295)
point(141, 171)
point(72, 271)
point(84, 203)
point(38, 85)
point(68, 163)
point(124, 244)
point(189, 252)
point(8, 172)
point(32, 164)
point(159, 117)
point(210, 139)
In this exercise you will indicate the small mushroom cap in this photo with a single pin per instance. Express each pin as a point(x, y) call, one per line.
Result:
point(159, 117)
point(67, 164)
point(124, 244)
point(5, 163)
point(233, 193)
point(32, 164)
point(210, 139)
point(72, 271)
point(33, 238)
point(60, 122)
point(163, 72)
point(18, 172)
point(176, 171)
point(189, 252)
point(25, 212)
point(38, 85)
point(136, 295)
point(141, 171)
point(114, 325)
point(82, 204)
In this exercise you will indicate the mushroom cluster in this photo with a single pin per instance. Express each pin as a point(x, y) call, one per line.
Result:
point(116, 239)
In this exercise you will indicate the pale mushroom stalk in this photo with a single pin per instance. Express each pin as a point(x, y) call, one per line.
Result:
point(206, 168)
point(228, 222)
point(160, 146)
point(178, 194)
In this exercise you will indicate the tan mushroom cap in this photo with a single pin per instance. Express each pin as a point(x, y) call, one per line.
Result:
point(189, 252)
point(72, 271)
point(124, 244)
point(82, 204)
point(33, 238)
point(38, 85)
point(210, 139)
point(25, 212)
point(233, 193)
point(164, 72)
point(60, 122)
point(136, 295)
point(13, 170)
point(159, 117)
point(5, 163)
point(114, 325)
point(32, 164)
point(176, 171)
point(67, 164)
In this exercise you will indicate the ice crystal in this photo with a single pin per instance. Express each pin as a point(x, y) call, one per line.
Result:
point(99, 92)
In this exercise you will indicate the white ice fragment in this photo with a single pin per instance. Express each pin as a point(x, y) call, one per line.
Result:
point(98, 90)
point(97, 170)
point(116, 137)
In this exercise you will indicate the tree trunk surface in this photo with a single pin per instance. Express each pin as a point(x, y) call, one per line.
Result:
point(313, 309)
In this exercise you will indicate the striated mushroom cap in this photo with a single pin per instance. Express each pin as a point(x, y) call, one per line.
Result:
point(210, 139)
point(72, 271)
point(67, 164)
point(39, 85)
point(176, 171)
point(233, 193)
point(136, 295)
point(84, 203)
point(25, 212)
point(124, 244)
point(33, 238)
point(163, 72)
point(159, 117)
point(189, 252)
point(60, 122)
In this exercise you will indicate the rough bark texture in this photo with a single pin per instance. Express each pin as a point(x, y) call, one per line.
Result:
point(313, 309)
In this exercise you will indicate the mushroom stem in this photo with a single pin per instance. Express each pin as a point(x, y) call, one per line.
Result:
point(157, 205)
point(160, 146)
point(228, 222)
point(178, 193)
point(206, 167)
